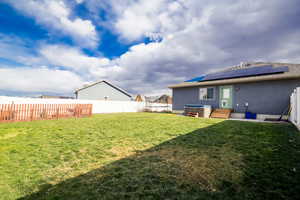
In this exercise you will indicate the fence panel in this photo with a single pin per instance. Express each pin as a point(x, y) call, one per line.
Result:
point(30, 112)
point(158, 107)
point(99, 106)
point(295, 107)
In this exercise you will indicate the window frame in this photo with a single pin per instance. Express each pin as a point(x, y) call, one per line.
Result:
point(206, 99)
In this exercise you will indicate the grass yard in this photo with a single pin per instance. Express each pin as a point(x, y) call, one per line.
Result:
point(148, 156)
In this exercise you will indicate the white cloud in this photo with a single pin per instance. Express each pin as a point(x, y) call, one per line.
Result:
point(74, 59)
point(196, 37)
point(17, 50)
point(79, 1)
point(42, 79)
point(71, 57)
point(56, 15)
point(140, 19)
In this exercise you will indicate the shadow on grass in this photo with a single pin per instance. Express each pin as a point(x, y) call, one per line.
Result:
point(228, 160)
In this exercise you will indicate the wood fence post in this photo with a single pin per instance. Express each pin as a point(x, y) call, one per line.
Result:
point(57, 112)
point(1, 113)
point(12, 106)
point(76, 110)
point(31, 112)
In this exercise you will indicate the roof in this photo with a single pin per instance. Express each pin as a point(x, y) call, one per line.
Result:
point(139, 98)
point(108, 83)
point(164, 99)
point(293, 72)
point(149, 98)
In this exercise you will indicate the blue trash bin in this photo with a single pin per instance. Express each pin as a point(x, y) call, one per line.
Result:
point(250, 115)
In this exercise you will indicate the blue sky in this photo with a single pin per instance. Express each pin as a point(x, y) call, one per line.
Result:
point(54, 47)
point(26, 27)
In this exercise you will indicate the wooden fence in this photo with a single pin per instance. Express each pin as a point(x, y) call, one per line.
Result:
point(30, 112)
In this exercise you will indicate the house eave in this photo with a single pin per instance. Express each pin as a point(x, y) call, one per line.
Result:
point(234, 81)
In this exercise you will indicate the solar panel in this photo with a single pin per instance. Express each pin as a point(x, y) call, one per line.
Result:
point(197, 79)
point(238, 73)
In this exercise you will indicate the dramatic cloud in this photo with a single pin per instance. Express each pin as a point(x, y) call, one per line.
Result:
point(90, 68)
point(200, 36)
point(129, 70)
point(56, 15)
point(17, 50)
point(42, 79)
point(187, 38)
point(71, 57)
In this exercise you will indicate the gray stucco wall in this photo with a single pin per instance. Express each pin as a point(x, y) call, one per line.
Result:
point(100, 90)
point(268, 97)
point(190, 95)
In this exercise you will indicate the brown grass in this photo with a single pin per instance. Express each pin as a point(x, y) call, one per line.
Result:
point(195, 167)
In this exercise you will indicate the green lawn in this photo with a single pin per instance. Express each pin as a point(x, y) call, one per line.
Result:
point(148, 156)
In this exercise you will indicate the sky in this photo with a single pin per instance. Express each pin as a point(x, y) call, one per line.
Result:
point(55, 46)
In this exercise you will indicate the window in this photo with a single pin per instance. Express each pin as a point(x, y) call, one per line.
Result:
point(226, 93)
point(206, 93)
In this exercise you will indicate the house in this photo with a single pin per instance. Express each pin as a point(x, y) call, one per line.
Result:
point(258, 87)
point(154, 99)
point(151, 99)
point(148, 99)
point(164, 99)
point(102, 90)
point(139, 98)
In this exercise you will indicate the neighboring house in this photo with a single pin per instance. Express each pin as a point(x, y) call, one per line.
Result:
point(164, 99)
point(151, 99)
point(102, 90)
point(139, 98)
point(154, 99)
point(262, 88)
point(148, 99)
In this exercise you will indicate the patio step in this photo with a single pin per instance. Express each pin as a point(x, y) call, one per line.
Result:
point(221, 113)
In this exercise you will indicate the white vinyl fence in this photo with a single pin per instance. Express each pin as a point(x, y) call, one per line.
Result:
point(295, 107)
point(99, 106)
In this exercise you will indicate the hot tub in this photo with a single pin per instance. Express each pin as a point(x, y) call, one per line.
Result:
point(197, 110)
